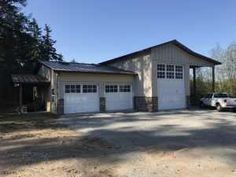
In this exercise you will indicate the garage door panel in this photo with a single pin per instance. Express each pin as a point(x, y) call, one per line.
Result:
point(81, 102)
point(118, 101)
point(171, 94)
point(171, 87)
point(118, 97)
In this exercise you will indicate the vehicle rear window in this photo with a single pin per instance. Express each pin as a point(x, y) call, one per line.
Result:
point(221, 95)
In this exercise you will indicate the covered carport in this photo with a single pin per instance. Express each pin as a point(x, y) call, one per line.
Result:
point(33, 92)
point(194, 91)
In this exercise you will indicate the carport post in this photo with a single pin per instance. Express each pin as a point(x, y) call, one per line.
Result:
point(213, 78)
point(194, 82)
point(20, 98)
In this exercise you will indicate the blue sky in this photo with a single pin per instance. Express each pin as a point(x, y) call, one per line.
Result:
point(95, 30)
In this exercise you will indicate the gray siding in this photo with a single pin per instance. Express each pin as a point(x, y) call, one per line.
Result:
point(142, 65)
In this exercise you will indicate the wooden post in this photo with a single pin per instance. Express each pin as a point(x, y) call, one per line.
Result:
point(20, 98)
point(194, 82)
point(213, 79)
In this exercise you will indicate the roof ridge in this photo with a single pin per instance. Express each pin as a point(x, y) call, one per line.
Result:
point(174, 42)
point(83, 67)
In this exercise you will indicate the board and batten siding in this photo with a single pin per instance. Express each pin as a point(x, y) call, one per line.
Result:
point(171, 54)
point(92, 78)
point(142, 66)
point(45, 72)
point(51, 75)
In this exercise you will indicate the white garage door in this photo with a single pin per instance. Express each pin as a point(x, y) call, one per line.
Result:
point(170, 86)
point(118, 97)
point(80, 98)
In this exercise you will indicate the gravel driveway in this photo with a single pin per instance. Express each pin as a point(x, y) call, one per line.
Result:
point(174, 143)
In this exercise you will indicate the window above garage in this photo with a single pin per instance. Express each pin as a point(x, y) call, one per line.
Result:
point(169, 71)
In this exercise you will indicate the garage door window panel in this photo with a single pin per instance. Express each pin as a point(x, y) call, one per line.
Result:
point(179, 72)
point(161, 68)
point(72, 88)
point(170, 71)
point(89, 88)
point(125, 88)
point(67, 88)
point(111, 88)
point(77, 88)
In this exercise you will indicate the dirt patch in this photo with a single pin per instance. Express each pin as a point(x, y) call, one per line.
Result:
point(41, 147)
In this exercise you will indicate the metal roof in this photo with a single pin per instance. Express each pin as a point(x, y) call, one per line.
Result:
point(174, 42)
point(83, 67)
point(28, 78)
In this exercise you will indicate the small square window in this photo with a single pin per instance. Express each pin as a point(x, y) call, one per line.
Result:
point(160, 67)
point(77, 88)
point(170, 68)
point(125, 88)
point(160, 74)
point(67, 88)
point(179, 75)
point(179, 72)
point(170, 75)
point(161, 71)
point(179, 68)
point(72, 88)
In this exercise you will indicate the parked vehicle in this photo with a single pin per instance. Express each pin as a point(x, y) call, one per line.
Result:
point(218, 100)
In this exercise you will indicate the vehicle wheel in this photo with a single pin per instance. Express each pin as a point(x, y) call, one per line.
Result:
point(202, 105)
point(219, 107)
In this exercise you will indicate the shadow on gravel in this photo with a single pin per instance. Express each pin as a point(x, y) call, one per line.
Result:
point(91, 146)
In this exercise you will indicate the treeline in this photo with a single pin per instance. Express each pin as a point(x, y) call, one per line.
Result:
point(22, 41)
point(225, 73)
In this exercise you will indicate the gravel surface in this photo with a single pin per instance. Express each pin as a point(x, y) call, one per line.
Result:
point(164, 144)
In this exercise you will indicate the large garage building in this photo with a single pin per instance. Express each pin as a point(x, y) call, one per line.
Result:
point(152, 79)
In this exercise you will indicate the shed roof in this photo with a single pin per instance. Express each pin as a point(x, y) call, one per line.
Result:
point(174, 42)
point(28, 78)
point(83, 67)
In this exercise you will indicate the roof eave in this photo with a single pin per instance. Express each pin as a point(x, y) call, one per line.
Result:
point(93, 72)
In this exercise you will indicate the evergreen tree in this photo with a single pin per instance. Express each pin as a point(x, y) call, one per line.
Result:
point(21, 40)
point(12, 28)
point(49, 51)
point(36, 46)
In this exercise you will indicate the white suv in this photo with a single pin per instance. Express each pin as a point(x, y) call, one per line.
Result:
point(218, 100)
